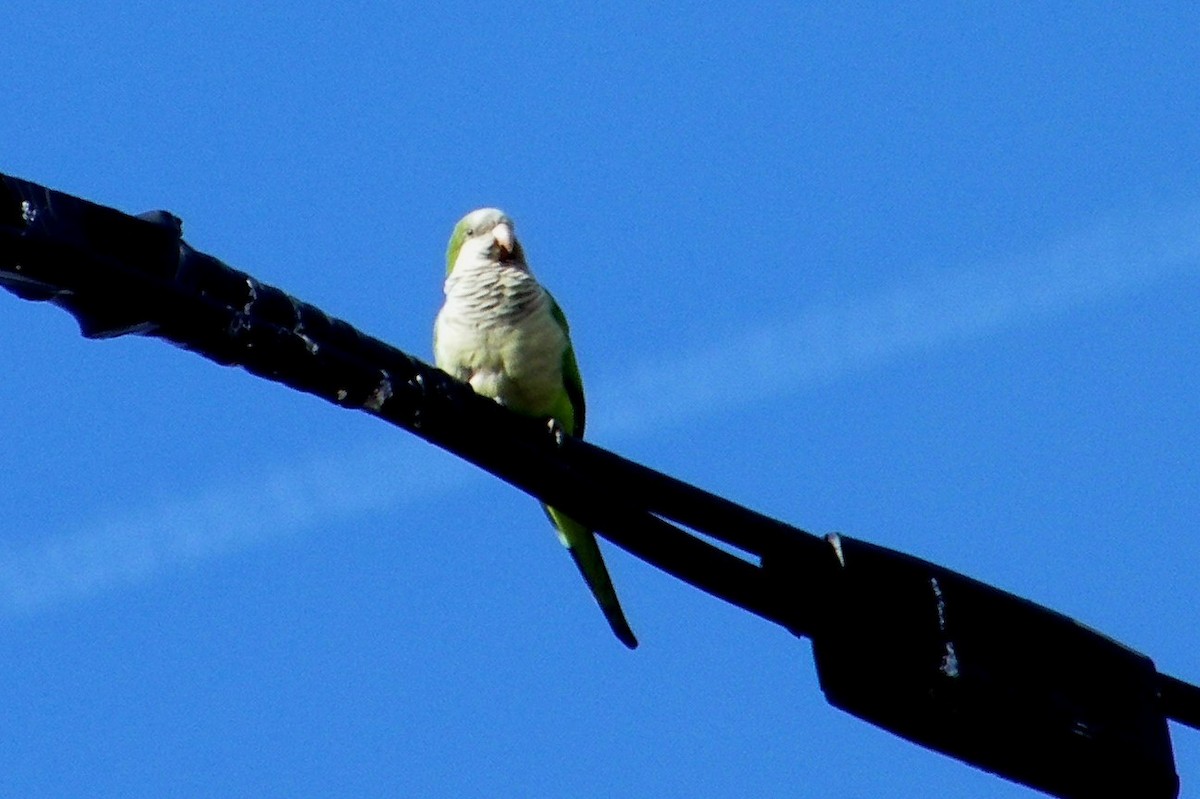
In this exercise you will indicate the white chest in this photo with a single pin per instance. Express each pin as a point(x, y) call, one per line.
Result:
point(501, 337)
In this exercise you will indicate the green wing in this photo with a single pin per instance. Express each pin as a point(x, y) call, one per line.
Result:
point(572, 380)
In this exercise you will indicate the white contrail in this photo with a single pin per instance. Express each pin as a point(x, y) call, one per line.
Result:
point(774, 358)
point(223, 518)
point(823, 343)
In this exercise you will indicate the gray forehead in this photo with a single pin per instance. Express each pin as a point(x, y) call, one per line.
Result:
point(485, 219)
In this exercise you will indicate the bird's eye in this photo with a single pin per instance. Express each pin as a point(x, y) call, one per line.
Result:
point(470, 232)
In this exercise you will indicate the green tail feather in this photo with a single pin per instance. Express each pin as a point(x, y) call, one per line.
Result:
point(581, 543)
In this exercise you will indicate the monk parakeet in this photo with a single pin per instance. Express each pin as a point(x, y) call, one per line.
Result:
point(500, 331)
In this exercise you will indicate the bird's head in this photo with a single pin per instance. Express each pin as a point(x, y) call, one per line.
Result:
point(484, 234)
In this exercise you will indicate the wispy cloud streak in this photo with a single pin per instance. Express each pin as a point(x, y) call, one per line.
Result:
point(223, 518)
point(819, 345)
point(940, 308)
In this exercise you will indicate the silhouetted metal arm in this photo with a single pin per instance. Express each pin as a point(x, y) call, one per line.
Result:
point(932, 655)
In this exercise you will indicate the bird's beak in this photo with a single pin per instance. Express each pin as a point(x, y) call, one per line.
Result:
point(504, 237)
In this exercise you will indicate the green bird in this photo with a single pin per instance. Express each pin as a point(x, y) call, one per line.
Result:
point(500, 331)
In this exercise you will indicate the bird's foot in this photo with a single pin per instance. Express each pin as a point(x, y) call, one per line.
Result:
point(556, 431)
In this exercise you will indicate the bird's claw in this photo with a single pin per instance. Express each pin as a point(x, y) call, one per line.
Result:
point(556, 431)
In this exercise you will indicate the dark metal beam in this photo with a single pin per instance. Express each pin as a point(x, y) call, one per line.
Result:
point(946, 661)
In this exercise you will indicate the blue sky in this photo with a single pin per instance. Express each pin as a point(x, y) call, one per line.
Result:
point(926, 277)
